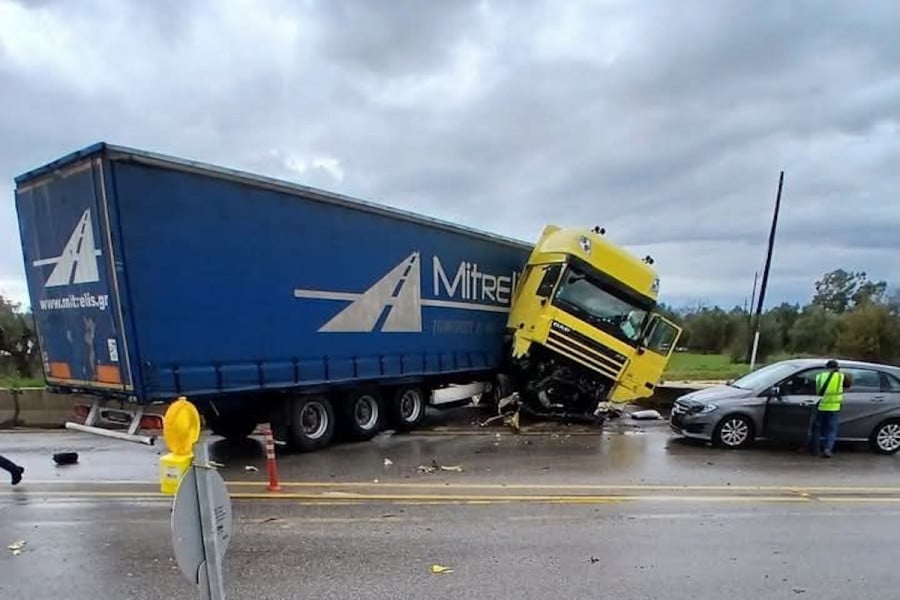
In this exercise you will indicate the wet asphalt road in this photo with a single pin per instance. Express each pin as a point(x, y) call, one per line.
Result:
point(628, 512)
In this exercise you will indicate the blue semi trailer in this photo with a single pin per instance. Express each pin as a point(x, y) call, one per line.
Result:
point(152, 277)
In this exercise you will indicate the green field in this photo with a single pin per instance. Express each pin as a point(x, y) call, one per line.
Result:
point(688, 366)
point(7, 382)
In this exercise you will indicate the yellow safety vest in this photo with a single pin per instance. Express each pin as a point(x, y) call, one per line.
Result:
point(834, 394)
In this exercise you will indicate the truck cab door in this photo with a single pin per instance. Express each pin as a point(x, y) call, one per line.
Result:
point(658, 345)
point(662, 336)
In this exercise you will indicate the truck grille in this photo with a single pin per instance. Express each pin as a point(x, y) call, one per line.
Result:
point(579, 347)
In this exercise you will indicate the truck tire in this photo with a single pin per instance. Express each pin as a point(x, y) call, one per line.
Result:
point(362, 413)
point(311, 423)
point(407, 408)
point(233, 426)
point(501, 388)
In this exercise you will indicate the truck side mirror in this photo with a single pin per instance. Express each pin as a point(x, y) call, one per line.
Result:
point(551, 276)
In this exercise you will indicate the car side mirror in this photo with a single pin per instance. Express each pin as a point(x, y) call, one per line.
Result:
point(775, 392)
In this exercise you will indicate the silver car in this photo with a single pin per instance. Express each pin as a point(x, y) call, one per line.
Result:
point(777, 402)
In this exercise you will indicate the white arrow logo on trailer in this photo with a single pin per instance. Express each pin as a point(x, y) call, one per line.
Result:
point(78, 261)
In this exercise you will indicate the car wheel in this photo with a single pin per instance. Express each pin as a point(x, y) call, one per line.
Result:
point(733, 431)
point(886, 438)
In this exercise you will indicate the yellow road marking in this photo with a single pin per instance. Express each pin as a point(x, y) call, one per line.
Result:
point(335, 500)
point(511, 486)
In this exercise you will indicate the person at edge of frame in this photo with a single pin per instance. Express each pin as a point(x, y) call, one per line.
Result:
point(14, 470)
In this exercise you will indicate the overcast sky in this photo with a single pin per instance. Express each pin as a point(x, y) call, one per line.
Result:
point(666, 122)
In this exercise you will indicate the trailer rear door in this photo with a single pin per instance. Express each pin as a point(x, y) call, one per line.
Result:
point(64, 222)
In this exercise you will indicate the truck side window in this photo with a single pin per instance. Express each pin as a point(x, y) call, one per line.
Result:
point(551, 275)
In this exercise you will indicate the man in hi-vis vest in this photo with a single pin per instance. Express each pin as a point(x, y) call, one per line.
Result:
point(830, 386)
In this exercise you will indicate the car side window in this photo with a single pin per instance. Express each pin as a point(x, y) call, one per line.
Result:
point(893, 383)
point(863, 380)
point(801, 384)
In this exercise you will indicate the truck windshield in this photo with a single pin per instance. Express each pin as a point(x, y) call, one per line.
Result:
point(603, 306)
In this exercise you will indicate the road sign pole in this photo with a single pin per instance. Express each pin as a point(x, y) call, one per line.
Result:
point(201, 512)
point(212, 524)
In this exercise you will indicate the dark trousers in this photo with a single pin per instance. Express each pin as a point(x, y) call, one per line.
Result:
point(823, 431)
point(8, 465)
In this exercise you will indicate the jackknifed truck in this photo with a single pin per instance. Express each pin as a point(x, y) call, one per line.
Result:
point(152, 277)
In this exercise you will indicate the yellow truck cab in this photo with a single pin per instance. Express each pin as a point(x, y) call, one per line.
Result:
point(583, 328)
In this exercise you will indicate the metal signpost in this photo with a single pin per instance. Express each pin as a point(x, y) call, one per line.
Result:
point(201, 513)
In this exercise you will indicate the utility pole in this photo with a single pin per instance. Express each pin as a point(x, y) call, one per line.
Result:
point(765, 278)
point(750, 316)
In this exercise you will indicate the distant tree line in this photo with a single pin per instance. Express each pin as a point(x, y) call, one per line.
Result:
point(849, 317)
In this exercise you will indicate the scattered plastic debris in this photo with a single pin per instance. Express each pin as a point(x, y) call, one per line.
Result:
point(65, 458)
point(441, 570)
point(251, 468)
point(16, 547)
point(216, 465)
point(435, 467)
point(645, 415)
point(388, 462)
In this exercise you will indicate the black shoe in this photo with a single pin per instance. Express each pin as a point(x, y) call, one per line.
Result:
point(17, 476)
point(826, 454)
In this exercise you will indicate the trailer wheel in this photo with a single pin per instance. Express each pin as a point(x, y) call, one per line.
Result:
point(362, 413)
point(407, 408)
point(233, 426)
point(312, 423)
point(501, 387)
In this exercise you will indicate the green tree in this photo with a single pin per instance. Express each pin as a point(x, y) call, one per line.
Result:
point(870, 332)
point(839, 291)
point(815, 331)
point(17, 337)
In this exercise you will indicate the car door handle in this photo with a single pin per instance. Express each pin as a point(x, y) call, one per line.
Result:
point(877, 398)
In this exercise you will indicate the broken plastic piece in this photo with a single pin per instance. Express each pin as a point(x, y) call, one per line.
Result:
point(441, 570)
point(16, 547)
point(65, 458)
point(251, 468)
point(646, 415)
point(388, 462)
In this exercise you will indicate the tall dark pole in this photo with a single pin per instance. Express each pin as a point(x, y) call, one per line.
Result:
point(765, 277)
point(750, 310)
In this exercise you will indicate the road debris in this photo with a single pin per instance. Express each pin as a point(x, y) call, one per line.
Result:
point(65, 458)
point(434, 467)
point(16, 547)
point(441, 570)
point(645, 415)
point(388, 462)
point(251, 469)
